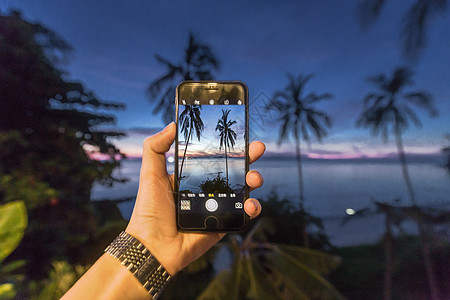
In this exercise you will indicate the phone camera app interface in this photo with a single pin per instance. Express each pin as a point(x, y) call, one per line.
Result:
point(211, 156)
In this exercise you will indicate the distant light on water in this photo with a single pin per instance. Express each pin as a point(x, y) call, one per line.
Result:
point(350, 211)
point(170, 159)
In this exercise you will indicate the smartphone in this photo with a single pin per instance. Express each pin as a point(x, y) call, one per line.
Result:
point(211, 155)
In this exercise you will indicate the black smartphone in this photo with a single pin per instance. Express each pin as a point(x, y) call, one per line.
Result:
point(211, 155)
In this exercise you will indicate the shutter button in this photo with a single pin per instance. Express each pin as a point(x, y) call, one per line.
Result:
point(211, 205)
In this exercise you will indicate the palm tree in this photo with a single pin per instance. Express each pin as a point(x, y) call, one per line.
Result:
point(415, 21)
point(198, 63)
point(390, 108)
point(299, 118)
point(226, 134)
point(190, 120)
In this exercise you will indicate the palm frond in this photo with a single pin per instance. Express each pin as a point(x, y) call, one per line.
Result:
point(318, 130)
point(198, 63)
point(304, 131)
point(284, 128)
point(205, 260)
point(387, 108)
point(260, 288)
point(412, 116)
point(379, 81)
point(304, 267)
point(413, 33)
point(313, 97)
point(321, 262)
point(422, 100)
point(369, 10)
point(402, 77)
point(288, 285)
point(217, 289)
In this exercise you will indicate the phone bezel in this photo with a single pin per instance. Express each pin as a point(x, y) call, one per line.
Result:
point(204, 83)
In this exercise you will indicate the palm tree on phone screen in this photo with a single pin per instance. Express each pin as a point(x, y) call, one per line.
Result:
point(190, 120)
point(226, 134)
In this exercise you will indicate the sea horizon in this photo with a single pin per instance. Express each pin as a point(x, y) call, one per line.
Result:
point(426, 158)
point(330, 186)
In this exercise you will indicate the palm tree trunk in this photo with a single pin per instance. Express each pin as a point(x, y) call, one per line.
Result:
point(226, 162)
point(422, 232)
point(428, 261)
point(302, 197)
point(300, 172)
point(388, 259)
point(405, 171)
point(184, 155)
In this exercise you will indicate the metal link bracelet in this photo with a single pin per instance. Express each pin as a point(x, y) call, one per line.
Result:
point(140, 262)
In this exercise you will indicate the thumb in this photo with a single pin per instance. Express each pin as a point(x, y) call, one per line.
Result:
point(155, 147)
point(161, 141)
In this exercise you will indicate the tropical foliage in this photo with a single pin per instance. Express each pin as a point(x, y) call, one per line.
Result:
point(416, 21)
point(215, 185)
point(50, 131)
point(61, 278)
point(13, 222)
point(263, 270)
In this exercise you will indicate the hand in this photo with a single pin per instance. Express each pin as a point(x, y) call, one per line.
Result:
point(153, 220)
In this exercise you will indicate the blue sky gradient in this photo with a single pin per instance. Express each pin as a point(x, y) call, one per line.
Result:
point(257, 42)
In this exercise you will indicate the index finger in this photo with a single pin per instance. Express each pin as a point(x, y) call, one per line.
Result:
point(256, 149)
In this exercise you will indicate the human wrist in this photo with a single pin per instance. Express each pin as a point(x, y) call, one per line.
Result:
point(162, 246)
point(138, 259)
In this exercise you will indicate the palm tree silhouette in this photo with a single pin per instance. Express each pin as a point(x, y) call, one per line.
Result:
point(299, 118)
point(226, 134)
point(190, 120)
point(198, 63)
point(415, 21)
point(391, 108)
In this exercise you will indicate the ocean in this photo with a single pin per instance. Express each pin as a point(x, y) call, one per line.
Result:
point(331, 188)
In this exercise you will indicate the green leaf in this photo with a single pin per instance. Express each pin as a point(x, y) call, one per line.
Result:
point(13, 222)
point(289, 270)
point(12, 266)
point(205, 260)
point(288, 286)
point(7, 291)
point(260, 287)
point(321, 262)
point(216, 290)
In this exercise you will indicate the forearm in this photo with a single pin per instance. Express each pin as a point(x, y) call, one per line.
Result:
point(107, 279)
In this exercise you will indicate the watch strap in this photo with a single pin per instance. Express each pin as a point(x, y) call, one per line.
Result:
point(140, 262)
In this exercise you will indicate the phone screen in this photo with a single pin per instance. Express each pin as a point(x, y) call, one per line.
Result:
point(212, 157)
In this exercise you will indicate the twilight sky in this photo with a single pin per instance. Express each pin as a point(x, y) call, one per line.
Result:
point(209, 143)
point(257, 42)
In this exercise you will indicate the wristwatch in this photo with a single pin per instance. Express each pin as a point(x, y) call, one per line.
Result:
point(140, 262)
